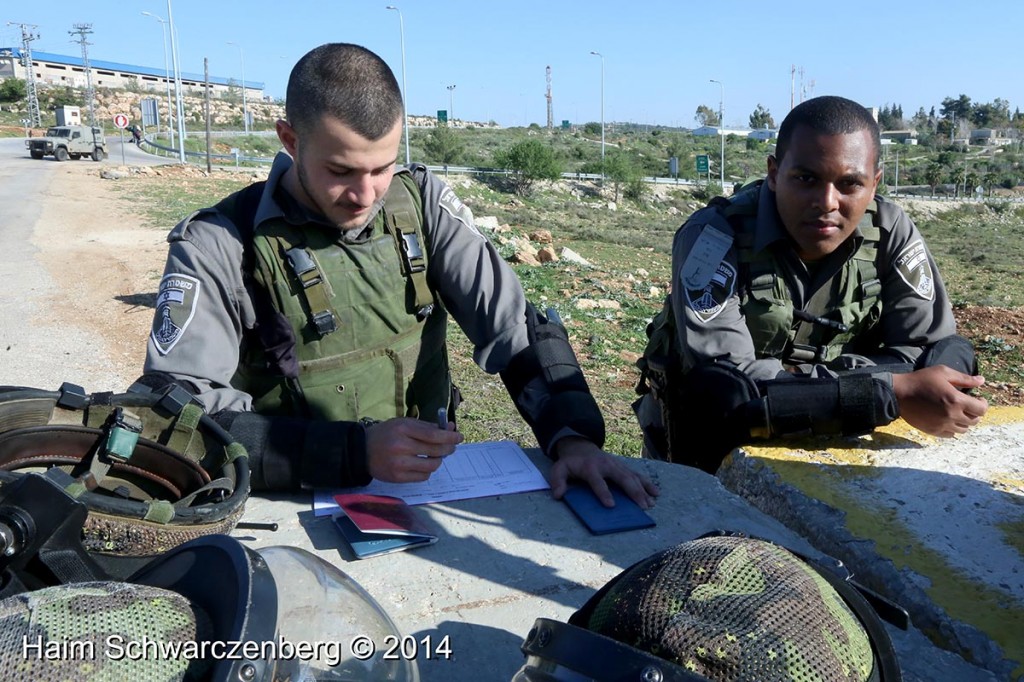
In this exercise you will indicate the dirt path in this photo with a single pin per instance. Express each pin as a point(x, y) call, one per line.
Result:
point(105, 266)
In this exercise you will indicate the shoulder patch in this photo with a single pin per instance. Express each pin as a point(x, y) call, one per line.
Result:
point(702, 261)
point(708, 301)
point(913, 266)
point(454, 207)
point(175, 307)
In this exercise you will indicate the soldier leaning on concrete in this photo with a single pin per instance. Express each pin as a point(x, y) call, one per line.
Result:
point(804, 304)
point(309, 314)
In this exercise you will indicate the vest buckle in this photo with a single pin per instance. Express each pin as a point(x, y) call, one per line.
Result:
point(325, 323)
point(413, 252)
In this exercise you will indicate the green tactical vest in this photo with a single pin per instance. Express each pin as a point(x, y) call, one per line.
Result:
point(369, 335)
point(850, 303)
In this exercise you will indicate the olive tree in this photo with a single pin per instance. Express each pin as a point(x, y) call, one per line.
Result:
point(529, 161)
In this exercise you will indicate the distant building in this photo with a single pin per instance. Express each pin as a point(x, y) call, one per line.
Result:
point(899, 137)
point(56, 69)
point(992, 136)
point(764, 134)
point(705, 131)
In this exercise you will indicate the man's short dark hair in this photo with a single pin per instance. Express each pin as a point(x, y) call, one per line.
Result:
point(828, 115)
point(347, 82)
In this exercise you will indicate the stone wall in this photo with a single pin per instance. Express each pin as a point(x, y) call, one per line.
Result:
point(111, 102)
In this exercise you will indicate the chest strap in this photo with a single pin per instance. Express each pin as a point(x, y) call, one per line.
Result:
point(403, 220)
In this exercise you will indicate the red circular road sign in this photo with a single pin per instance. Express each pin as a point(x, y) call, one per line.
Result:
point(120, 120)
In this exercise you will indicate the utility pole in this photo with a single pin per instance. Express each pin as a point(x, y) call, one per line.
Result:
point(27, 36)
point(82, 30)
point(206, 102)
point(792, 85)
point(551, 115)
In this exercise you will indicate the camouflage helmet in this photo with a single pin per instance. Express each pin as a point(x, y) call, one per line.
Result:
point(151, 467)
point(210, 609)
point(727, 608)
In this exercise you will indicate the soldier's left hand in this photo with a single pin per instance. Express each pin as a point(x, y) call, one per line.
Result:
point(582, 459)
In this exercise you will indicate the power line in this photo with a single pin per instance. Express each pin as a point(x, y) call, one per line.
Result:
point(83, 30)
point(27, 36)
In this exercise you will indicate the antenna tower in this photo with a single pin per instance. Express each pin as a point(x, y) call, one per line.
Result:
point(82, 30)
point(27, 36)
point(551, 115)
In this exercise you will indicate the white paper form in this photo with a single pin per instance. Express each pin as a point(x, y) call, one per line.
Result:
point(473, 470)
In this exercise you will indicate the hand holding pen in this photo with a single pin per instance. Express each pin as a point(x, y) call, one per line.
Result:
point(404, 450)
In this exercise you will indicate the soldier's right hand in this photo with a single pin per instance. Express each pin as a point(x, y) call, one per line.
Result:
point(932, 399)
point(406, 450)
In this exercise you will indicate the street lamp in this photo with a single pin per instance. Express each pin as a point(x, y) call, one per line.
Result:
point(721, 131)
point(451, 103)
point(245, 104)
point(167, 78)
point(177, 83)
point(602, 109)
point(405, 106)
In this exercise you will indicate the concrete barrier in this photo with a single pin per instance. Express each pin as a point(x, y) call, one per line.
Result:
point(934, 524)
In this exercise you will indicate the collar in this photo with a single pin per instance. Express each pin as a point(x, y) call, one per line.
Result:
point(769, 226)
point(278, 203)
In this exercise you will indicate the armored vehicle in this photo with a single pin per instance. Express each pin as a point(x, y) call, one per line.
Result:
point(64, 142)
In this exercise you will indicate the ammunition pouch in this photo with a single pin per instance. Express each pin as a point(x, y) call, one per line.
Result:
point(151, 467)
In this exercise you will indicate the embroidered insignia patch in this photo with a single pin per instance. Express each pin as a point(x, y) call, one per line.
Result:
point(709, 301)
point(175, 307)
point(916, 271)
point(454, 207)
point(704, 257)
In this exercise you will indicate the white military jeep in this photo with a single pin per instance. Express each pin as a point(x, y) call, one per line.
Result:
point(69, 142)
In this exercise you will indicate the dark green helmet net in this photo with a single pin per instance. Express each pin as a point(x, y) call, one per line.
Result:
point(731, 609)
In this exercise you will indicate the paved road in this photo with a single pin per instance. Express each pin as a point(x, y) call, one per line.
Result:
point(30, 340)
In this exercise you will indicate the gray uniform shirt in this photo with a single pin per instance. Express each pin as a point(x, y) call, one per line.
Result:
point(916, 311)
point(480, 291)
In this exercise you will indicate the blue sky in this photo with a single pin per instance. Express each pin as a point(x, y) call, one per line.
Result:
point(658, 55)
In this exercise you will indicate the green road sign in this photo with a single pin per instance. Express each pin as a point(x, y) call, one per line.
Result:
point(702, 163)
point(565, 124)
point(442, 115)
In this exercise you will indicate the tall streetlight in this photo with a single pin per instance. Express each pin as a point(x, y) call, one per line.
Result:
point(451, 103)
point(721, 132)
point(405, 106)
point(602, 109)
point(167, 77)
point(245, 104)
point(177, 83)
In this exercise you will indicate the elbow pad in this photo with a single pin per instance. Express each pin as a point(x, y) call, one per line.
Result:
point(550, 363)
point(849, 405)
point(289, 453)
